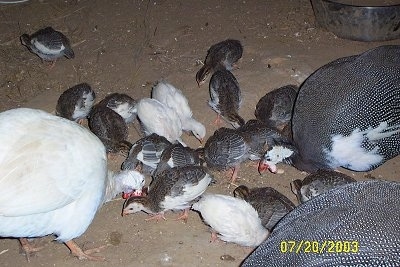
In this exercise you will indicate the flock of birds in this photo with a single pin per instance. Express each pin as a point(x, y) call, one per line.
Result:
point(317, 128)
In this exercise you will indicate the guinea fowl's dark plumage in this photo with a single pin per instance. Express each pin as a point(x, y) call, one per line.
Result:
point(275, 107)
point(172, 189)
point(76, 102)
point(228, 148)
point(220, 55)
point(259, 137)
point(147, 151)
point(121, 103)
point(347, 113)
point(225, 97)
point(361, 219)
point(318, 183)
point(269, 203)
point(48, 44)
point(225, 149)
point(177, 155)
point(110, 128)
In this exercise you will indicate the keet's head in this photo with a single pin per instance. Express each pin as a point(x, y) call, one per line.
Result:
point(274, 155)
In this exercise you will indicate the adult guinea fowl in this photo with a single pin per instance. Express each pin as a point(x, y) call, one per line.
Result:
point(352, 225)
point(76, 102)
point(48, 44)
point(346, 115)
point(224, 55)
point(62, 169)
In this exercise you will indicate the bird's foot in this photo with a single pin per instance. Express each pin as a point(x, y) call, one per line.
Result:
point(28, 248)
point(85, 255)
point(156, 217)
point(218, 121)
point(184, 216)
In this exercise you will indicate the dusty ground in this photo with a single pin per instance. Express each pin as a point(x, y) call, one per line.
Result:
point(125, 46)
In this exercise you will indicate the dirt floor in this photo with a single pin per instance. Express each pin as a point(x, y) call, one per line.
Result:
point(126, 46)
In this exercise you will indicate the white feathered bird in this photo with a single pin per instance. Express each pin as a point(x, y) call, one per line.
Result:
point(156, 117)
point(167, 94)
point(60, 169)
point(233, 219)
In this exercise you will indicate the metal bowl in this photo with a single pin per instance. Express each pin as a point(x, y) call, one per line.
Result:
point(360, 23)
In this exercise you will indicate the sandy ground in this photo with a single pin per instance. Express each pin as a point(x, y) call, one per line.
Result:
point(126, 46)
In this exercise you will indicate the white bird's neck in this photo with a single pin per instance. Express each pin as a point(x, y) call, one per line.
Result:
point(113, 186)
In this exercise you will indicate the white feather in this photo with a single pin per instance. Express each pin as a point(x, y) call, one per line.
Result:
point(190, 192)
point(174, 98)
point(234, 219)
point(53, 175)
point(160, 119)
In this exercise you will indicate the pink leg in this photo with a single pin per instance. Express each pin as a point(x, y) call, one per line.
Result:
point(84, 255)
point(157, 217)
point(214, 237)
point(184, 216)
point(218, 121)
point(28, 248)
point(234, 175)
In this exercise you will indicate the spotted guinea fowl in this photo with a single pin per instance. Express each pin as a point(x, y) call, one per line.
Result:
point(172, 97)
point(225, 97)
point(275, 107)
point(176, 155)
point(352, 225)
point(121, 103)
point(76, 102)
point(156, 117)
point(48, 44)
point(346, 114)
point(220, 55)
point(172, 189)
point(268, 202)
point(146, 151)
point(231, 219)
point(61, 167)
point(110, 128)
point(317, 183)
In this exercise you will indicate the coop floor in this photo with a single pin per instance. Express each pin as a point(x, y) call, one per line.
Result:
point(125, 46)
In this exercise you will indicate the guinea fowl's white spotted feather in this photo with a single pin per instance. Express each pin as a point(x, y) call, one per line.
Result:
point(234, 219)
point(158, 118)
point(174, 98)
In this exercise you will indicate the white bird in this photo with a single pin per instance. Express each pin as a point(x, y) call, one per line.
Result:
point(60, 167)
point(155, 117)
point(167, 94)
point(234, 219)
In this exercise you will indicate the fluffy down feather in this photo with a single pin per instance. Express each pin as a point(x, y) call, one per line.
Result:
point(234, 219)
